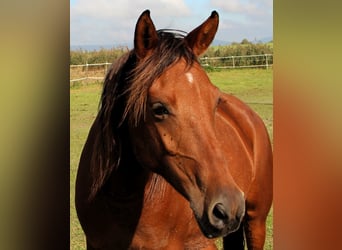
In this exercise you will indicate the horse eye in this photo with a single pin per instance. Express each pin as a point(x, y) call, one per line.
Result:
point(160, 111)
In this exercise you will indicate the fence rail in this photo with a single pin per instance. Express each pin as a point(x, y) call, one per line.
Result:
point(231, 62)
point(97, 71)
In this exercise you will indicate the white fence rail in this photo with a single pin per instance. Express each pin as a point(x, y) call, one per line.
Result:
point(231, 62)
point(98, 71)
point(95, 71)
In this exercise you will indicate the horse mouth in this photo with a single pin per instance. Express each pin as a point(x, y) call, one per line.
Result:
point(211, 231)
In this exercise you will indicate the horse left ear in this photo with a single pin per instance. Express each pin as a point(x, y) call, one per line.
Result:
point(145, 36)
point(200, 38)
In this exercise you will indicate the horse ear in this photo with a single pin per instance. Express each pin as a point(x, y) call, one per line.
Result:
point(145, 36)
point(200, 38)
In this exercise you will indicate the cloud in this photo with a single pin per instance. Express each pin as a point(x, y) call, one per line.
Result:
point(244, 19)
point(107, 21)
point(121, 9)
point(245, 7)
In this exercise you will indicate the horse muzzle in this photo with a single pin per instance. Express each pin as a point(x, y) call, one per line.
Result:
point(223, 216)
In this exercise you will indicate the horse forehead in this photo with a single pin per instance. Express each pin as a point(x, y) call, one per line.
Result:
point(183, 77)
point(184, 84)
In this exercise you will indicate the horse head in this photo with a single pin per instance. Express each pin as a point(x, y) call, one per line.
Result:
point(172, 123)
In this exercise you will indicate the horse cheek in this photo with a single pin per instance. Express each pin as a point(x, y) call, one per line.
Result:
point(147, 147)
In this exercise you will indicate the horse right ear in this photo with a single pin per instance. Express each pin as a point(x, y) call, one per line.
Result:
point(145, 36)
point(200, 38)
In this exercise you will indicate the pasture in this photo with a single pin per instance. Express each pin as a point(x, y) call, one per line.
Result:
point(254, 86)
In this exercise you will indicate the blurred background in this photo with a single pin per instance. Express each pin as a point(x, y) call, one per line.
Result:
point(34, 127)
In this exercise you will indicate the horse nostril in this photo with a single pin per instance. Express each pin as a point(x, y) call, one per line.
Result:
point(219, 212)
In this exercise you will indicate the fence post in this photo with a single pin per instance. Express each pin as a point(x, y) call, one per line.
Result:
point(86, 70)
point(233, 62)
point(105, 69)
point(266, 61)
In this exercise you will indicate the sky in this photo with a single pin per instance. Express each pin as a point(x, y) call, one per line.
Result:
point(112, 22)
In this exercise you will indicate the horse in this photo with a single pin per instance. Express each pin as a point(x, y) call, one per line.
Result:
point(170, 161)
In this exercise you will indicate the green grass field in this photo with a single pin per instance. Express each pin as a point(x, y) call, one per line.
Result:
point(254, 86)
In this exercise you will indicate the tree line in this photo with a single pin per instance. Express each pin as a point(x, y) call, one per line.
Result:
point(243, 48)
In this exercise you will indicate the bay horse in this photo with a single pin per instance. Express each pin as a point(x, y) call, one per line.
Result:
point(170, 161)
